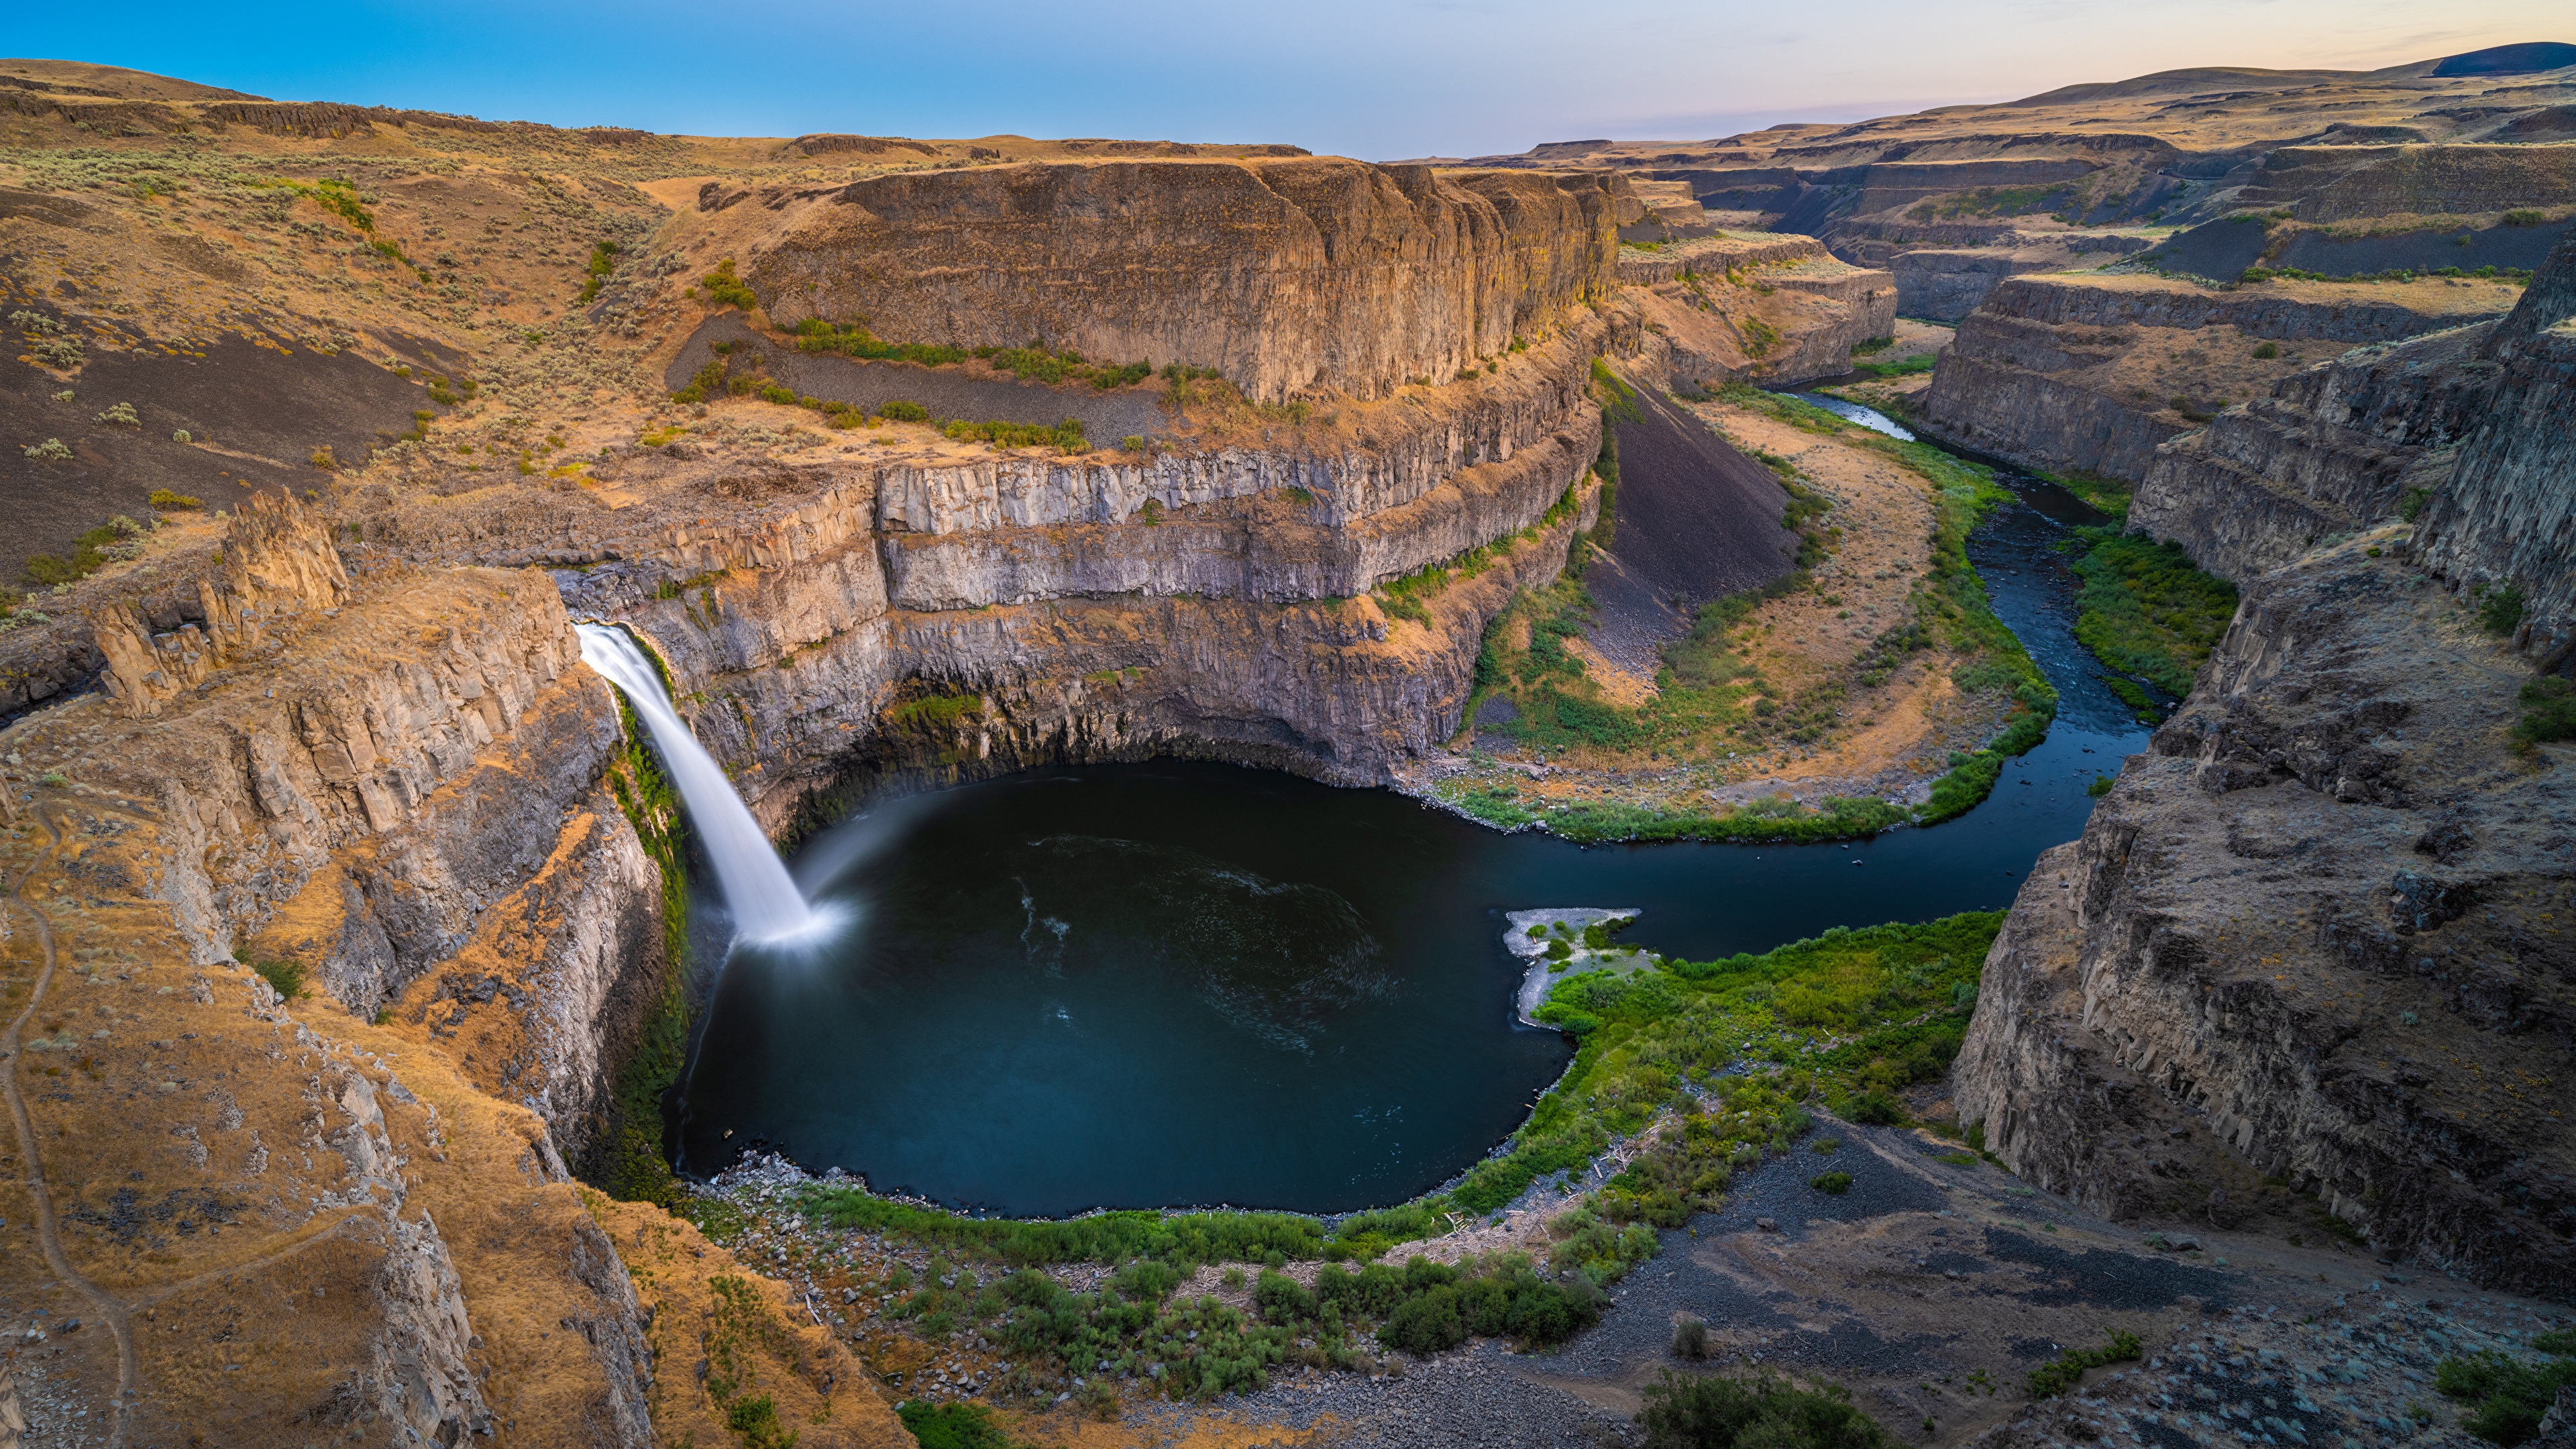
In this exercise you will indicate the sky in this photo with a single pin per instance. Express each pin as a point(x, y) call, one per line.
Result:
point(1376, 79)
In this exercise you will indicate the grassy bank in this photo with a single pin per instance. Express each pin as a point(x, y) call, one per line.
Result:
point(1711, 696)
point(1690, 1073)
point(2145, 610)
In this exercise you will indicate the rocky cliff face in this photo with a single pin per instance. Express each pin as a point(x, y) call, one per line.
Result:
point(336, 1217)
point(167, 829)
point(2506, 519)
point(2334, 449)
point(1946, 285)
point(2093, 373)
point(2314, 936)
point(1776, 309)
point(1294, 276)
point(1097, 606)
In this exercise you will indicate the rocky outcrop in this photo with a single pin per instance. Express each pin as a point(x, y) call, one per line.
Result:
point(2314, 934)
point(318, 1246)
point(2092, 374)
point(1668, 261)
point(1295, 277)
point(1774, 309)
point(2507, 519)
point(1325, 687)
point(2335, 449)
point(1945, 284)
point(1196, 600)
point(277, 566)
point(2310, 933)
point(2344, 183)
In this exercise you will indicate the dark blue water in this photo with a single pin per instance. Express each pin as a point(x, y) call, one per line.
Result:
point(1172, 984)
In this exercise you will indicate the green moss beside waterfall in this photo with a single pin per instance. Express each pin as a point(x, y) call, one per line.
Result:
point(633, 1166)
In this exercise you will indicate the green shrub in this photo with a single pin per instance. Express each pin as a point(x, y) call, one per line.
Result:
point(2062, 1372)
point(2525, 216)
point(2500, 610)
point(2548, 711)
point(952, 1426)
point(51, 450)
point(1690, 1339)
point(2411, 506)
point(2146, 611)
point(287, 976)
point(1754, 1412)
point(755, 1419)
point(904, 412)
point(1919, 363)
point(725, 288)
point(2268, 351)
point(2100, 787)
point(1066, 435)
point(603, 260)
point(1836, 1183)
point(1876, 1109)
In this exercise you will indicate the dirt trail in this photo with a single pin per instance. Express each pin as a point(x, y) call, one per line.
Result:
point(107, 1309)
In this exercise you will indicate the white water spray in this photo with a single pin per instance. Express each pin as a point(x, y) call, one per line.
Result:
point(765, 903)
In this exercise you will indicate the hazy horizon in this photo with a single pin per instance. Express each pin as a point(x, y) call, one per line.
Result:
point(1430, 77)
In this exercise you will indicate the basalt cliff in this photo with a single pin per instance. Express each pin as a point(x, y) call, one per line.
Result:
point(2311, 946)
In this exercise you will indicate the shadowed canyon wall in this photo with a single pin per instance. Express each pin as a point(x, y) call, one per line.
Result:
point(2314, 934)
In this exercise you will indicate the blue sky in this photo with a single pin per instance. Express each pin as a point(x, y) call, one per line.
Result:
point(1378, 80)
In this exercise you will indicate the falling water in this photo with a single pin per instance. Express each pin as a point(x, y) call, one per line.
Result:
point(765, 903)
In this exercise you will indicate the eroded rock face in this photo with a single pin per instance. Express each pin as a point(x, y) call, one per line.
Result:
point(2508, 517)
point(2079, 374)
point(1103, 606)
point(2315, 934)
point(2314, 931)
point(2336, 448)
point(1777, 309)
point(1294, 276)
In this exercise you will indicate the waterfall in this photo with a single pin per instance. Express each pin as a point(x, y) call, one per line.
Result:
point(765, 903)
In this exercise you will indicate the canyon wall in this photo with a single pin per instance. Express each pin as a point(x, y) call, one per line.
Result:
point(1293, 276)
point(1770, 309)
point(345, 1210)
point(420, 776)
point(2507, 519)
point(2334, 449)
point(2093, 373)
point(2310, 945)
point(1208, 600)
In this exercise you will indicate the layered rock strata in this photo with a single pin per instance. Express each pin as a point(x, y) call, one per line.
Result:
point(2333, 450)
point(2093, 373)
point(1294, 276)
point(2507, 519)
point(1946, 284)
point(2314, 935)
point(1774, 309)
point(1207, 601)
point(2311, 932)
point(350, 1210)
point(150, 851)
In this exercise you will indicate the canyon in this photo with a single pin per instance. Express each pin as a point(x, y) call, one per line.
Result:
point(346, 954)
